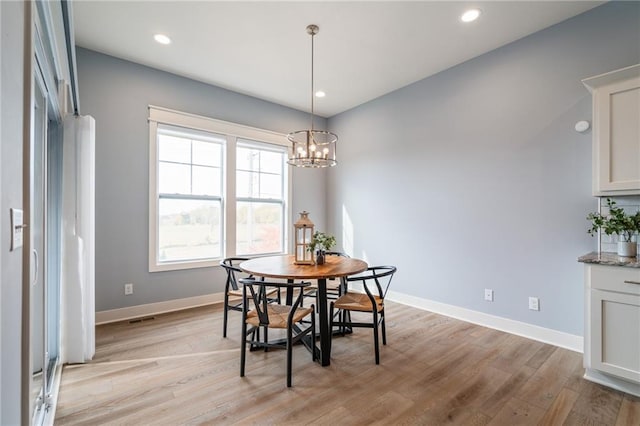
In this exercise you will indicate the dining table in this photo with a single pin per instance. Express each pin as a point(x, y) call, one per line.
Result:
point(284, 267)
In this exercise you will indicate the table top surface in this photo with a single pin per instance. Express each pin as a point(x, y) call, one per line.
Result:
point(283, 267)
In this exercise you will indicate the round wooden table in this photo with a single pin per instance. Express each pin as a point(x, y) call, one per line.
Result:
point(284, 267)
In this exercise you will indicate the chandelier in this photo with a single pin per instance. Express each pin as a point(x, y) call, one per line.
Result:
point(311, 147)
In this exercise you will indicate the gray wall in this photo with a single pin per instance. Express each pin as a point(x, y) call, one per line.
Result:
point(11, 86)
point(474, 178)
point(117, 93)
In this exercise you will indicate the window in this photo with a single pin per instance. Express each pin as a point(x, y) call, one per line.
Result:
point(259, 199)
point(189, 195)
point(216, 189)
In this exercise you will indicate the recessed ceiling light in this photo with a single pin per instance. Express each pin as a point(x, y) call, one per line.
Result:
point(470, 15)
point(320, 94)
point(162, 39)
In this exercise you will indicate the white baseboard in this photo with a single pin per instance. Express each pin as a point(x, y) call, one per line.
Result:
point(530, 331)
point(131, 312)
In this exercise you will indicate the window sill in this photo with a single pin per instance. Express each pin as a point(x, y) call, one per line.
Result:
point(177, 266)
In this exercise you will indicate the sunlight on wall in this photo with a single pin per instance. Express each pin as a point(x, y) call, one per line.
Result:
point(347, 232)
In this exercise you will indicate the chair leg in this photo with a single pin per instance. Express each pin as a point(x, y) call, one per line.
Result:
point(330, 326)
point(266, 339)
point(226, 310)
point(384, 328)
point(313, 333)
point(255, 337)
point(289, 355)
point(345, 317)
point(243, 348)
point(375, 337)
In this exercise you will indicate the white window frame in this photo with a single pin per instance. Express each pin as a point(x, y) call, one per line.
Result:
point(252, 144)
point(232, 132)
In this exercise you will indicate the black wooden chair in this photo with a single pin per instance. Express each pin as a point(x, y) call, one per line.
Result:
point(233, 293)
point(375, 282)
point(275, 315)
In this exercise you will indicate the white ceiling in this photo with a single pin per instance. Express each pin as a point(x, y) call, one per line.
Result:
point(364, 48)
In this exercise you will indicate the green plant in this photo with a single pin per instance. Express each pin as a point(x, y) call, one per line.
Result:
point(321, 241)
point(616, 222)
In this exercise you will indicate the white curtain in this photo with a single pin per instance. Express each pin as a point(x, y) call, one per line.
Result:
point(78, 240)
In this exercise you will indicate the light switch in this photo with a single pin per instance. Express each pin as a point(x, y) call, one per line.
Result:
point(17, 227)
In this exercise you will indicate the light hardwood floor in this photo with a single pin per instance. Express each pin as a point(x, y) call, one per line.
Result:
point(177, 369)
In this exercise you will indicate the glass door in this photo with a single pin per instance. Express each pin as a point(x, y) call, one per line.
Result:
point(45, 222)
point(38, 236)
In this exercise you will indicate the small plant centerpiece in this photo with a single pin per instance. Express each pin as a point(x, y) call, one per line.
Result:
point(320, 243)
point(620, 223)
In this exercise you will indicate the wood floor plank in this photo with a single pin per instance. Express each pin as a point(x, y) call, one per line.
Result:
point(505, 392)
point(629, 413)
point(541, 355)
point(560, 409)
point(598, 404)
point(517, 412)
point(541, 389)
point(177, 369)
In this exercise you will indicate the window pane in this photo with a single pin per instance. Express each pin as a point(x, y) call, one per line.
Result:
point(246, 184)
point(246, 159)
point(270, 186)
point(172, 148)
point(258, 228)
point(188, 230)
point(271, 162)
point(174, 178)
point(259, 172)
point(206, 180)
point(207, 153)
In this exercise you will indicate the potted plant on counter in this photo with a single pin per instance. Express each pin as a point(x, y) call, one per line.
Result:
point(320, 243)
point(619, 223)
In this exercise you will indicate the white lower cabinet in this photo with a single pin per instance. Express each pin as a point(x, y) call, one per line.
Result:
point(612, 337)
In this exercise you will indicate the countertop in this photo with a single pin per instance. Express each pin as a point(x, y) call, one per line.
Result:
point(611, 259)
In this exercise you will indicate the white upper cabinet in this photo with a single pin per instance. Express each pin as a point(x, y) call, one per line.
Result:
point(616, 131)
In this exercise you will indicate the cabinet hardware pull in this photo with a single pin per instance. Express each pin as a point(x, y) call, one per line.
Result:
point(631, 282)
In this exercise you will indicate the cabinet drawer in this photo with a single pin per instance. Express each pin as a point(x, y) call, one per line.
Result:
point(615, 278)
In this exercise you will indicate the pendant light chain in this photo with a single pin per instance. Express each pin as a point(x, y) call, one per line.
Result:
point(313, 33)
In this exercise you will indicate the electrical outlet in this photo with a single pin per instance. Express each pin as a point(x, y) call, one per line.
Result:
point(488, 295)
point(534, 303)
point(128, 289)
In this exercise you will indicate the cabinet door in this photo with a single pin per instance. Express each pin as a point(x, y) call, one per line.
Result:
point(616, 111)
point(615, 338)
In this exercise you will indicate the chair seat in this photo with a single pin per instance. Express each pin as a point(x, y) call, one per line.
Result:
point(278, 315)
point(238, 293)
point(358, 302)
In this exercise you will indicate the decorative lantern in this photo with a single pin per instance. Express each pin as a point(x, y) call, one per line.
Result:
point(303, 236)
